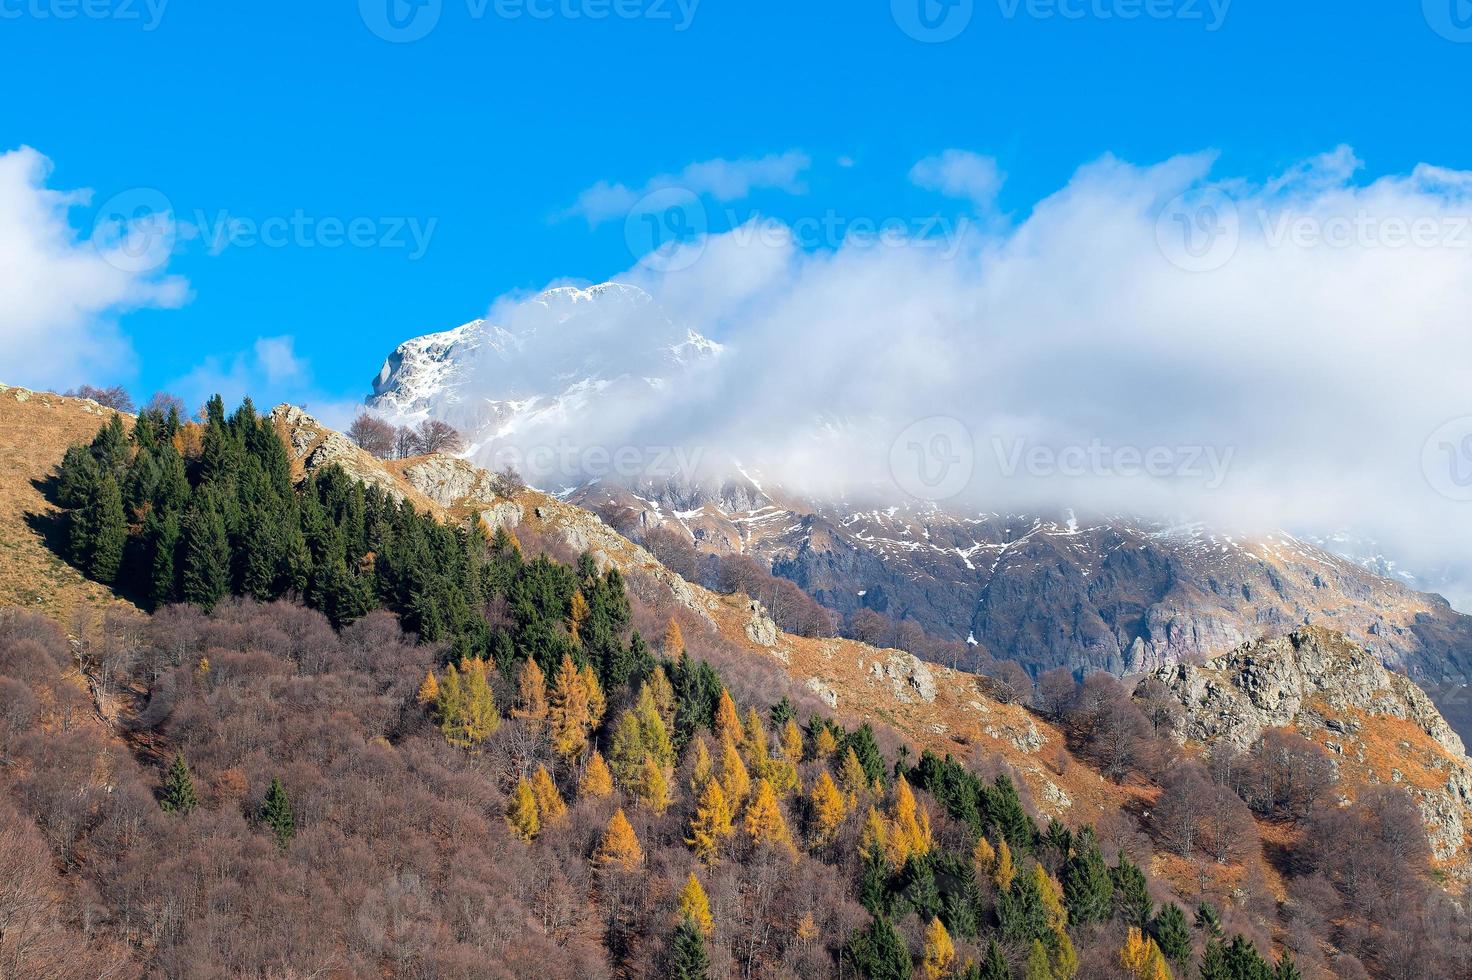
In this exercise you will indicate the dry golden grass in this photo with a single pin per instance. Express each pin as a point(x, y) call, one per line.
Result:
point(35, 430)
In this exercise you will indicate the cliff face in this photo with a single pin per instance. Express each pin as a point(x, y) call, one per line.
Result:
point(1117, 595)
point(1378, 725)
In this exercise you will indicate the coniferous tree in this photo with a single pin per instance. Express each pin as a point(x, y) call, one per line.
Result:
point(178, 795)
point(109, 531)
point(994, 966)
point(688, 959)
point(277, 815)
point(939, 955)
point(693, 905)
point(1087, 888)
point(162, 533)
point(1171, 934)
point(877, 951)
point(1132, 901)
point(205, 577)
point(1287, 969)
point(1003, 810)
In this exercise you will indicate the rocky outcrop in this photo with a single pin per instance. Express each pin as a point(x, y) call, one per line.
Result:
point(314, 446)
point(1377, 724)
point(1311, 677)
point(450, 481)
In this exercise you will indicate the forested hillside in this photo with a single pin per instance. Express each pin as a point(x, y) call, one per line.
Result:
point(356, 740)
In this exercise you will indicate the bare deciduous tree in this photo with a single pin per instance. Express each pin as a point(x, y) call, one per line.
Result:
point(373, 435)
point(115, 397)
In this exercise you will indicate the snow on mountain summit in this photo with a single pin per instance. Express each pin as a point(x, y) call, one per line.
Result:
point(538, 362)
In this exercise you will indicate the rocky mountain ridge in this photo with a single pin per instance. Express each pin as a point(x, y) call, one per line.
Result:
point(1377, 725)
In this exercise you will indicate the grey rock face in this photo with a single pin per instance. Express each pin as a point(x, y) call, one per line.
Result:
point(1314, 681)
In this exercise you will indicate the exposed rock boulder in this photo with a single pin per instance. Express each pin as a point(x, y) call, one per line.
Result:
point(1379, 726)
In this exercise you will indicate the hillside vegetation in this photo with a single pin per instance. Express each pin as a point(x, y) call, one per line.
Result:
point(411, 721)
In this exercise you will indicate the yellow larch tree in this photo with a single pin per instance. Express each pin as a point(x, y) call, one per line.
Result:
point(909, 834)
point(764, 823)
point(792, 742)
point(429, 690)
point(1142, 958)
point(550, 807)
point(531, 692)
point(465, 707)
point(940, 952)
point(626, 749)
point(727, 723)
point(701, 770)
point(619, 847)
point(1004, 871)
point(674, 640)
point(852, 777)
point(735, 780)
point(983, 858)
point(654, 734)
point(567, 711)
point(521, 811)
point(874, 837)
point(755, 748)
point(578, 613)
point(654, 785)
point(663, 693)
point(597, 781)
point(825, 743)
point(711, 825)
point(597, 702)
point(1052, 892)
point(827, 807)
point(694, 905)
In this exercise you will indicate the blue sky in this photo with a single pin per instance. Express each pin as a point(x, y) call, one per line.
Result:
point(487, 130)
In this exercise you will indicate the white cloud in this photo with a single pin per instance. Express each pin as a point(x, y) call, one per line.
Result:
point(723, 180)
point(1314, 331)
point(270, 372)
point(62, 293)
point(959, 173)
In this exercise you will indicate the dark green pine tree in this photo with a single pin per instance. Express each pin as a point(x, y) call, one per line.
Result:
point(960, 913)
point(1058, 839)
point(1214, 962)
point(178, 794)
point(878, 953)
point(866, 748)
point(1171, 934)
point(205, 577)
point(1004, 811)
point(109, 529)
point(161, 532)
point(78, 477)
point(1287, 969)
point(110, 447)
point(1088, 891)
point(688, 959)
point(1243, 961)
point(276, 814)
point(1208, 921)
point(782, 712)
point(1021, 912)
point(995, 966)
point(874, 884)
point(1131, 893)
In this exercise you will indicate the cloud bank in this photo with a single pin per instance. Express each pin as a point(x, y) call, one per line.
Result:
point(62, 293)
point(1294, 353)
